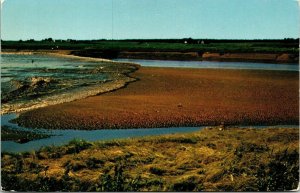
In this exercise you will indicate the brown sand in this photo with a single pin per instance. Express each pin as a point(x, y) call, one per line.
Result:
point(164, 97)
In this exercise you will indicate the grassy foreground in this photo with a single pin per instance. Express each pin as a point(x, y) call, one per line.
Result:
point(234, 159)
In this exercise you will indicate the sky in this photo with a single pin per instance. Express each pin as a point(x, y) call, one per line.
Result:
point(149, 19)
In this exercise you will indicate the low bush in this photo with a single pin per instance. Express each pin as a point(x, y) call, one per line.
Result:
point(74, 165)
point(250, 148)
point(188, 184)
point(93, 163)
point(280, 174)
point(157, 171)
point(191, 140)
point(117, 181)
point(75, 146)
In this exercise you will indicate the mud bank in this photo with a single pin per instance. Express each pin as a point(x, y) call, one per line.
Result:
point(170, 97)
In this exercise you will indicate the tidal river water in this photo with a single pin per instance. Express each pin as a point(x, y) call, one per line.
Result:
point(213, 65)
point(31, 80)
point(60, 137)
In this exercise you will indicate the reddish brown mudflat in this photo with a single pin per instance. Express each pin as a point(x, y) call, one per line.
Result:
point(166, 97)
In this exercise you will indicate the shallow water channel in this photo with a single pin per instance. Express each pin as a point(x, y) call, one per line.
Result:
point(60, 137)
point(214, 64)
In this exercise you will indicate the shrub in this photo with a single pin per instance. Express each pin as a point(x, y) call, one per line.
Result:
point(248, 148)
point(157, 171)
point(77, 145)
point(191, 140)
point(155, 182)
point(119, 182)
point(280, 174)
point(74, 166)
point(134, 184)
point(188, 184)
point(211, 145)
point(93, 163)
point(110, 144)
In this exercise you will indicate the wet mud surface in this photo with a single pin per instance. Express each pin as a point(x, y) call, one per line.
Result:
point(29, 87)
point(170, 97)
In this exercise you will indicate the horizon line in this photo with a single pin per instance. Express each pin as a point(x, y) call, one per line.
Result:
point(129, 39)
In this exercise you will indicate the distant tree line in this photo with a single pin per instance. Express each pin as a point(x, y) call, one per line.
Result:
point(183, 40)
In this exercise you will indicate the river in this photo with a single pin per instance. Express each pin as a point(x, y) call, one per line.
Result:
point(60, 137)
point(213, 64)
point(17, 70)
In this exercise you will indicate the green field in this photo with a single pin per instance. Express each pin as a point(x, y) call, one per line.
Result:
point(181, 45)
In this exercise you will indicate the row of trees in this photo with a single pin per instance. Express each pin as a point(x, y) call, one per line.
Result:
point(188, 40)
point(48, 40)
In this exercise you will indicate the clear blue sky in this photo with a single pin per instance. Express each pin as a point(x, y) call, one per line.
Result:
point(132, 19)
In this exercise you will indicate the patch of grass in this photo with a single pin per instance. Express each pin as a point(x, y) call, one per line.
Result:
point(191, 162)
point(110, 143)
point(211, 145)
point(93, 163)
point(283, 138)
point(250, 148)
point(77, 145)
point(191, 140)
point(72, 165)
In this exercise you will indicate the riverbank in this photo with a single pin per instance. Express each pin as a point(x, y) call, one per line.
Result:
point(171, 97)
point(233, 159)
point(213, 56)
point(274, 51)
point(96, 55)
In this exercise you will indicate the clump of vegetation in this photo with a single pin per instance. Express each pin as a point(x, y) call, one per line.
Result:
point(75, 146)
point(118, 182)
point(191, 183)
point(162, 163)
point(157, 171)
point(93, 163)
point(250, 147)
point(281, 173)
point(192, 140)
